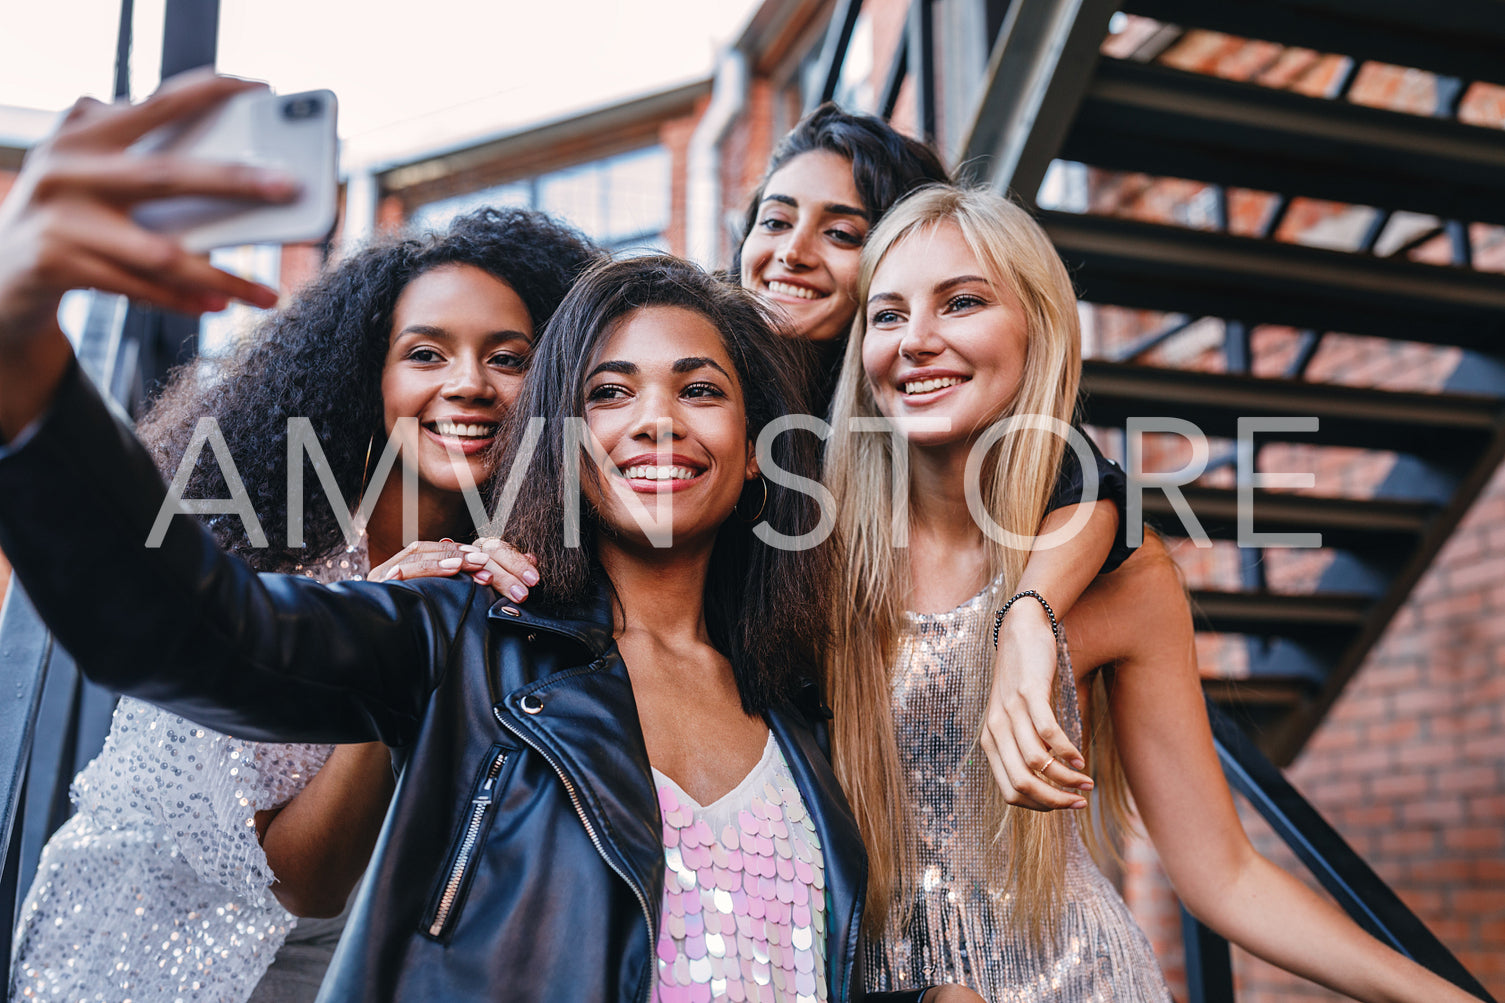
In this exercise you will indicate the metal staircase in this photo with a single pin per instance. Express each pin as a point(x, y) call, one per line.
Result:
point(1135, 115)
point(1050, 95)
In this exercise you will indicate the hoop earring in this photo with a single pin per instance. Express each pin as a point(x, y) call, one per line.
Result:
point(761, 505)
point(366, 469)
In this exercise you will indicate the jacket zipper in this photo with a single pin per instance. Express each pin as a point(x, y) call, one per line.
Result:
point(590, 830)
point(478, 807)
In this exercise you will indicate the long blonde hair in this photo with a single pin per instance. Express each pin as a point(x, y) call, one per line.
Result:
point(1016, 485)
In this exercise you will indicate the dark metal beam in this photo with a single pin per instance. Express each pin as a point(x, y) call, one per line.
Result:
point(1138, 117)
point(190, 35)
point(1381, 529)
point(25, 651)
point(833, 53)
point(1209, 967)
point(1458, 38)
point(920, 30)
point(1175, 270)
point(1358, 890)
point(123, 39)
point(1153, 340)
point(1439, 426)
point(1040, 66)
point(1279, 614)
point(893, 80)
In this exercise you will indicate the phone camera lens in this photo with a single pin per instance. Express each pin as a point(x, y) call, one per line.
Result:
point(300, 108)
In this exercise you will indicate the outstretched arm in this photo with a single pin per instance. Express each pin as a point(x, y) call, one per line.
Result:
point(272, 659)
point(1139, 620)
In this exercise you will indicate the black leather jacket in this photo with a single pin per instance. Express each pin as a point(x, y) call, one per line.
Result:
point(522, 857)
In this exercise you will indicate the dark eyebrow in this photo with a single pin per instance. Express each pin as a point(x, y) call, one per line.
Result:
point(614, 366)
point(884, 298)
point(429, 331)
point(836, 208)
point(694, 362)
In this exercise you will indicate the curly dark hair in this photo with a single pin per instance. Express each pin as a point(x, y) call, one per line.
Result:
point(765, 607)
point(321, 358)
point(886, 164)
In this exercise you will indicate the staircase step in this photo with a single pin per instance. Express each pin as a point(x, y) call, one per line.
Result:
point(1373, 526)
point(1436, 426)
point(1332, 617)
point(1143, 117)
point(1149, 266)
point(1460, 38)
point(1266, 699)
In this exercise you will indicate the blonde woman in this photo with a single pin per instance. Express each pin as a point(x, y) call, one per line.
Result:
point(963, 285)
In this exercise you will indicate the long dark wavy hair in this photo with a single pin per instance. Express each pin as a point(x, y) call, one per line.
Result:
point(321, 358)
point(764, 606)
point(886, 164)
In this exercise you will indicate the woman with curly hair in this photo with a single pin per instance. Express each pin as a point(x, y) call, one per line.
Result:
point(192, 851)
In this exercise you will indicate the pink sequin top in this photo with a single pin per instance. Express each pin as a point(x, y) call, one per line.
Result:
point(744, 913)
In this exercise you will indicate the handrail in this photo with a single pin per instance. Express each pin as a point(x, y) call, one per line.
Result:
point(1359, 891)
point(26, 650)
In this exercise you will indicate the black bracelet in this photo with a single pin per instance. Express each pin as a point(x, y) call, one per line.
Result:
point(1055, 628)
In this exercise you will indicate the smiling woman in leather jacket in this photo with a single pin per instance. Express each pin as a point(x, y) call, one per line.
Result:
point(619, 793)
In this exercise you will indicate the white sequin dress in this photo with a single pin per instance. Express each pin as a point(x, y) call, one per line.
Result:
point(959, 930)
point(157, 889)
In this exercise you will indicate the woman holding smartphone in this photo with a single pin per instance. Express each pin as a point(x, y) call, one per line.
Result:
point(531, 852)
point(189, 848)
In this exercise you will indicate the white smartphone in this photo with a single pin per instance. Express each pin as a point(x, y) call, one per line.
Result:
point(292, 133)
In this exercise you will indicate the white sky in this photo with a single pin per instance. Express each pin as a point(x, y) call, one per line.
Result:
point(409, 75)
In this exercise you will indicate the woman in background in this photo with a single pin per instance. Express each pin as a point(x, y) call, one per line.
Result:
point(828, 183)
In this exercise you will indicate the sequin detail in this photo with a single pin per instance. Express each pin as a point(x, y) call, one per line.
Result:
point(960, 929)
point(744, 914)
point(158, 889)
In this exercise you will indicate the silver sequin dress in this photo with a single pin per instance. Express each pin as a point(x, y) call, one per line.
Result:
point(960, 931)
point(157, 889)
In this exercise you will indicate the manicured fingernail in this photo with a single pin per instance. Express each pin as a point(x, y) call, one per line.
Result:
point(518, 592)
point(530, 576)
point(1085, 786)
point(1077, 763)
point(1078, 804)
point(473, 558)
point(532, 557)
point(451, 563)
point(483, 576)
point(394, 575)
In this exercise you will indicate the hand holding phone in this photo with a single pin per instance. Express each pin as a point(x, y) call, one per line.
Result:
point(293, 134)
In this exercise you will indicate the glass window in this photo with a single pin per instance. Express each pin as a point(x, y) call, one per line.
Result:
point(621, 201)
point(438, 215)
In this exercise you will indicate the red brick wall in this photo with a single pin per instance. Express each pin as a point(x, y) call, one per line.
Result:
point(675, 136)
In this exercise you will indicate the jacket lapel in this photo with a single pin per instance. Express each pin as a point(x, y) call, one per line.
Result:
point(584, 721)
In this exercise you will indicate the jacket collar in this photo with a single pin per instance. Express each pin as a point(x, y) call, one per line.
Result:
point(589, 622)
